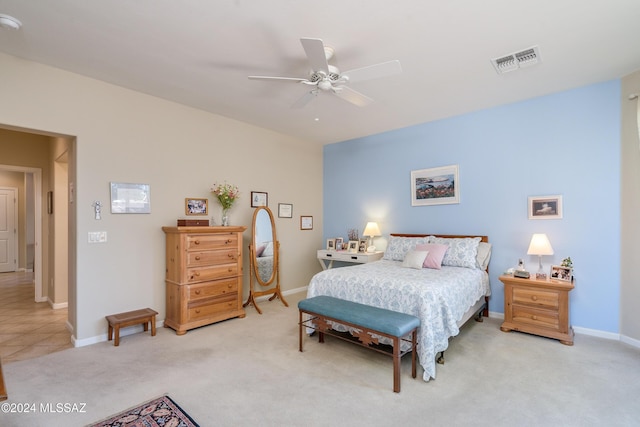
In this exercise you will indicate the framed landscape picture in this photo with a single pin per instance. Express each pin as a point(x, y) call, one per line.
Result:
point(435, 186)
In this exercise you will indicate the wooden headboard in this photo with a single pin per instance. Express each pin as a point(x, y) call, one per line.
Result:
point(446, 236)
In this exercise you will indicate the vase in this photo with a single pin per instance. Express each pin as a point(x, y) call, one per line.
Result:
point(225, 217)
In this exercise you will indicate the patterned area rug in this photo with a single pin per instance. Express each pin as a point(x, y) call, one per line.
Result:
point(160, 412)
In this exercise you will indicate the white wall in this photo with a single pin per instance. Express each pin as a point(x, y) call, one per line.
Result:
point(630, 201)
point(125, 136)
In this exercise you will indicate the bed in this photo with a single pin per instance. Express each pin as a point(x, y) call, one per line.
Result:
point(450, 290)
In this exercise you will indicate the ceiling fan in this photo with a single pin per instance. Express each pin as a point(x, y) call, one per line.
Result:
point(327, 78)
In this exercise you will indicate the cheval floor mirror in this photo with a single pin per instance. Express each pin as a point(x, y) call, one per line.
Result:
point(263, 257)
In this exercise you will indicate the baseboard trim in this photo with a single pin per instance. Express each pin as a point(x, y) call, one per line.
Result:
point(631, 341)
point(130, 330)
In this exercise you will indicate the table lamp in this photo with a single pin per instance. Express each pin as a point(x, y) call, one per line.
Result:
point(540, 246)
point(370, 231)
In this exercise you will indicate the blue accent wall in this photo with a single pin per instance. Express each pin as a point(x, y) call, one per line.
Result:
point(566, 143)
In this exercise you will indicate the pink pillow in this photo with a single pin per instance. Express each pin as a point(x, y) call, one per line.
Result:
point(436, 253)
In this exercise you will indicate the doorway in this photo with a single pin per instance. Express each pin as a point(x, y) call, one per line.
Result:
point(44, 160)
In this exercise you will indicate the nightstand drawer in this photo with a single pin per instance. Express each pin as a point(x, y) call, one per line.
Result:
point(536, 298)
point(536, 317)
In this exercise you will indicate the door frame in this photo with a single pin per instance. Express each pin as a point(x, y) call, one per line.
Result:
point(37, 214)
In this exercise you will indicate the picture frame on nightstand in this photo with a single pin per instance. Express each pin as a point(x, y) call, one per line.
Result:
point(339, 241)
point(564, 274)
point(331, 244)
point(353, 246)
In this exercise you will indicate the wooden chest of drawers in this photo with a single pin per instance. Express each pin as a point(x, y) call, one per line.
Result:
point(538, 307)
point(203, 276)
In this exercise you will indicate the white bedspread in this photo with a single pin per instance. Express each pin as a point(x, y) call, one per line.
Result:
point(439, 298)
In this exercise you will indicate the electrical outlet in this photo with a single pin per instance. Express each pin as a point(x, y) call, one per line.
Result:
point(97, 236)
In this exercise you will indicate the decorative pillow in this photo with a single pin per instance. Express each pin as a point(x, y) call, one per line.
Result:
point(399, 246)
point(260, 250)
point(484, 255)
point(436, 254)
point(462, 252)
point(415, 259)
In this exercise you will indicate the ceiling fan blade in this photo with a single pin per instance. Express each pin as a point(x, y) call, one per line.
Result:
point(374, 71)
point(314, 48)
point(352, 96)
point(295, 79)
point(306, 98)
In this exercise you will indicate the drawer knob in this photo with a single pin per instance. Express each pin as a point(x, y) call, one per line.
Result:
point(534, 297)
point(197, 257)
point(197, 242)
point(197, 274)
point(228, 241)
point(230, 256)
point(230, 270)
point(534, 317)
point(198, 310)
point(198, 292)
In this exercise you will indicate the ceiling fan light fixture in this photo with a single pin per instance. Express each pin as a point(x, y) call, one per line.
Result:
point(9, 22)
point(324, 85)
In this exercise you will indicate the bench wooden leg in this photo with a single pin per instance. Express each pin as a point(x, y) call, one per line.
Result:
point(153, 326)
point(300, 331)
point(414, 340)
point(110, 332)
point(116, 341)
point(396, 365)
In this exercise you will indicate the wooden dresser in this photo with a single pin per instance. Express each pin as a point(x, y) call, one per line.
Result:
point(538, 307)
point(203, 276)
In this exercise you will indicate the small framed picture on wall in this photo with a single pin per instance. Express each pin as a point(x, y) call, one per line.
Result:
point(306, 222)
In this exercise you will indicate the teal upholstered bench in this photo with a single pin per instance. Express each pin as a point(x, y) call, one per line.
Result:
point(372, 322)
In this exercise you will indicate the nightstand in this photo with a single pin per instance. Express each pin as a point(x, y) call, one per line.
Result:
point(539, 307)
point(326, 257)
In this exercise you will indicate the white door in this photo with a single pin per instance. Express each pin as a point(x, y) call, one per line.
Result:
point(8, 216)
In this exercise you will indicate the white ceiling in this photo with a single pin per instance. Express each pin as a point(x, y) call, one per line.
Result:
point(200, 52)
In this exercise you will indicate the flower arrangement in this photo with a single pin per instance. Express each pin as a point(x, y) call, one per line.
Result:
point(226, 194)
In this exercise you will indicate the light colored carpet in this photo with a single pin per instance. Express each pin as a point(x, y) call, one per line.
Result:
point(249, 372)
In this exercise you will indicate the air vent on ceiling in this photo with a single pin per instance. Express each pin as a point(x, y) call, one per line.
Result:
point(513, 61)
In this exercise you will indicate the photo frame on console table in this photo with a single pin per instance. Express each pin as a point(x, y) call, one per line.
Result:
point(194, 206)
point(128, 198)
point(435, 186)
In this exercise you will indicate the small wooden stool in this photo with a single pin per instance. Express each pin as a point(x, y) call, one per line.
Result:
point(130, 318)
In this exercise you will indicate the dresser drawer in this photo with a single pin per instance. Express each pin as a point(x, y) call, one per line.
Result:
point(223, 256)
point(213, 272)
point(199, 242)
point(536, 298)
point(545, 319)
point(205, 309)
point(211, 289)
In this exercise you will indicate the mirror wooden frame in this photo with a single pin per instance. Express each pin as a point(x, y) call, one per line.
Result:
point(254, 273)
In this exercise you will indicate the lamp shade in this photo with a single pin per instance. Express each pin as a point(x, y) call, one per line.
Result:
point(371, 229)
point(540, 245)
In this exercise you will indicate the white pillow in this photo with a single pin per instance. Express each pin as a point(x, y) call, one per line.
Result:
point(399, 246)
point(484, 255)
point(462, 252)
point(415, 259)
